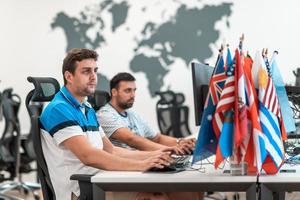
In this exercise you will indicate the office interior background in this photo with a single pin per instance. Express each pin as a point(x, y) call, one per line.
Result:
point(155, 40)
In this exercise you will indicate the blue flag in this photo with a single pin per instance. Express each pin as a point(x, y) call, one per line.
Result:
point(286, 111)
point(226, 137)
point(207, 142)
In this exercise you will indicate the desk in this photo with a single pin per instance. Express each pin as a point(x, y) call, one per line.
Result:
point(275, 186)
point(189, 181)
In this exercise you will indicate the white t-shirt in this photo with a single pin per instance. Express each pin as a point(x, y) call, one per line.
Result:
point(111, 120)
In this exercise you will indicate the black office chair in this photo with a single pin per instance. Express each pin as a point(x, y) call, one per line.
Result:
point(10, 144)
point(1, 113)
point(11, 133)
point(28, 154)
point(172, 115)
point(99, 99)
point(45, 89)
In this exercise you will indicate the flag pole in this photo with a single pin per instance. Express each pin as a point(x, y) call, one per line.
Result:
point(220, 54)
point(242, 38)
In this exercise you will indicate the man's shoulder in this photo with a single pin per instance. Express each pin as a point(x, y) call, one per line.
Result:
point(55, 108)
point(57, 104)
point(131, 112)
point(107, 108)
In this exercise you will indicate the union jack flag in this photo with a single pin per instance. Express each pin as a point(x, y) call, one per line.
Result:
point(216, 87)
point(227, 96)
point(207, 141)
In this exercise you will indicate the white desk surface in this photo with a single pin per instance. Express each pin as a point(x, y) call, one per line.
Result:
point(290, 177)
point(180, 177)
point(192, 181)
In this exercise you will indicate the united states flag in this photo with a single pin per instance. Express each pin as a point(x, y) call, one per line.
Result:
point(223, 117)
point(269, 98)
point(227, 96)
point(269, 114)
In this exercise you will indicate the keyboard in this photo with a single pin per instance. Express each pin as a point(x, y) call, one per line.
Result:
point(166, 169)
point(179, 164)
point(180, 161)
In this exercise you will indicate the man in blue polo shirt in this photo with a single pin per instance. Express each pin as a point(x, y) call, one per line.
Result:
point(72, 140)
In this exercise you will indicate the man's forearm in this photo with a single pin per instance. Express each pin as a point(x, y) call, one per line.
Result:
point(103, 160)
point(144, 144)
point(165, 140)
point(125, 153)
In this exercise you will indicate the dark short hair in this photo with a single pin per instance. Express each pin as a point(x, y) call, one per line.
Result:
point(76, 55)
point(123, 76)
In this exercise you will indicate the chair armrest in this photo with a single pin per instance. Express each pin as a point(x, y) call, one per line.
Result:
point(85, 185)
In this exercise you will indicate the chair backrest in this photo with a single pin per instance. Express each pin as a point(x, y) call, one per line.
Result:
point(172, 115)
point(9, 142)
point(99, 99)
point(33, 109)
point(10, 107)
point(45, 89)
point(1, 113)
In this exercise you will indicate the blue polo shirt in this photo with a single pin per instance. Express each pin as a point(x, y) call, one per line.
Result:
point(64, 118)
point(64, 111)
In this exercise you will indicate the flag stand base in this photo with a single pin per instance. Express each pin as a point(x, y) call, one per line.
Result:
point(237, 169)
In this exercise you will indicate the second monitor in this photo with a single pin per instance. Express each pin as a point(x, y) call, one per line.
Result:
point(201, 74)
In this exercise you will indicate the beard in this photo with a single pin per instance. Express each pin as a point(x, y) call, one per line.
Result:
point(88, 91)
point(125, 105)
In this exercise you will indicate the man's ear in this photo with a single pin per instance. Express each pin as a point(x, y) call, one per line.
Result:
point(113, 92)
point(68, 76)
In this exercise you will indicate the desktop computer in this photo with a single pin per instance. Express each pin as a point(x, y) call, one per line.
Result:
point(201, 74)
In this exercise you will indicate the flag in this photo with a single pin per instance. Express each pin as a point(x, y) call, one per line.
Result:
point(224, 149)
point(287, 113)
point(207, 142)
point(223, 117)
point(240, 110)
point(262, 155)
point(256, 152)
point(229, 61)
point(250, 66)
point(226, 137)
point(269, 114)
point(255, 69)
point(226, 96)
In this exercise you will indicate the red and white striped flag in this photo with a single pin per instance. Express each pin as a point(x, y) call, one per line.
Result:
point(241, 136)
point(225, 104)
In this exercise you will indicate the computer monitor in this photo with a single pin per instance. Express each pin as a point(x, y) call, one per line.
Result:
point(293, 93)
point(201, 74)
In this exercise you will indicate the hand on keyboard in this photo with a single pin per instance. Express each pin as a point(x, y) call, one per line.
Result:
point(179, 163)
point(186, 146)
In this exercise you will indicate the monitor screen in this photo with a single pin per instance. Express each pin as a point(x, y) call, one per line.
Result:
point(201, 74)
point(293, 93)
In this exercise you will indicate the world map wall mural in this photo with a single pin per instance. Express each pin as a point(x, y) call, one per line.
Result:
point(185, 33)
